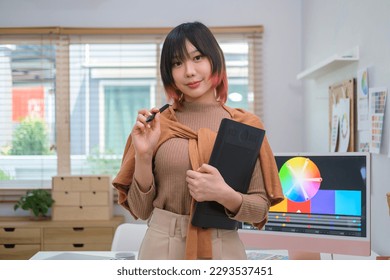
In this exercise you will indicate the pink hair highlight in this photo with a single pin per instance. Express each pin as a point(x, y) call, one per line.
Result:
point(172, 94)
point(220, 83)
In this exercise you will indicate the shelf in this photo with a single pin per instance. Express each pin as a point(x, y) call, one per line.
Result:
point(331, 64)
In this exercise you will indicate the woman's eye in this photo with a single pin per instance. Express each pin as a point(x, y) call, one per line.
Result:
point(176, 63)
point(198, 57)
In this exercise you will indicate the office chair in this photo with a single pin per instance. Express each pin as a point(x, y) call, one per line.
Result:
point(128, 237)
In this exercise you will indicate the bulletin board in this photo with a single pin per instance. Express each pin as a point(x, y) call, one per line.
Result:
point(338, 91)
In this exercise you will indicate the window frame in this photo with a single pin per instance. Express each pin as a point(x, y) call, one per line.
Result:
point(63, 37)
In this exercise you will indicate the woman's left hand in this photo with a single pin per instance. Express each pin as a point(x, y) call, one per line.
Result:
point(206, 183)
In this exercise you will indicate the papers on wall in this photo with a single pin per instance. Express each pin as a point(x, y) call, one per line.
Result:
point(344, 123)
point(334, 129)
point(364, 141)
point(363, 120)
point(377, 104)
point(362, 99)
point(340, 130)
point(342, 96)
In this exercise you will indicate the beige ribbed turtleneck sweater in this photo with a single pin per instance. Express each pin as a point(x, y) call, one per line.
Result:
point(170, 191)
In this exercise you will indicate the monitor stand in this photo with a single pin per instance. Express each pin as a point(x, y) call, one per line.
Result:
point(301, 255)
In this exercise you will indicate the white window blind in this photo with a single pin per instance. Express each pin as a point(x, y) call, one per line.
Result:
point(27, 112)
point(90, 84)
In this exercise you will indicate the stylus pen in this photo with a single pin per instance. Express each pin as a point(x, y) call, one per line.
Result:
point(162, 109)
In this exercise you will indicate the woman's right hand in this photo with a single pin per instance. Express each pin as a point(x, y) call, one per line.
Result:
point(145, 135)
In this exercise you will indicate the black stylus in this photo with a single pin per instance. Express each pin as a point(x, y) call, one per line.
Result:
point(162, 109)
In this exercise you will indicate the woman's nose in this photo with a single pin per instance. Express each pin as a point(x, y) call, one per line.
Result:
point(189, 69)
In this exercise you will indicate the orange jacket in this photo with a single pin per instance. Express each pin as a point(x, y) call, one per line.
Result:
point(198, 244)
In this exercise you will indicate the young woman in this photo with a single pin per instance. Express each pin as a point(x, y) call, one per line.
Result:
point(164, 167)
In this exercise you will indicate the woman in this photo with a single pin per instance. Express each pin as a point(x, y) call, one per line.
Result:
point(164, 168)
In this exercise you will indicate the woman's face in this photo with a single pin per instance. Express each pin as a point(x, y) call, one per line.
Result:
point(192, 76)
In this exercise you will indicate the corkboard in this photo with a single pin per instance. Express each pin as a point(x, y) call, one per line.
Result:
point(344, 89)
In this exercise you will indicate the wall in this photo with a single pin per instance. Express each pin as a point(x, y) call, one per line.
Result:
point(331, 27)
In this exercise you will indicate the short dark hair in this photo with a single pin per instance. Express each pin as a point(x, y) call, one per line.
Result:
point(204, 41)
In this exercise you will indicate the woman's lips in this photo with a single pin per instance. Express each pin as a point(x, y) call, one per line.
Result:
point(193, 85)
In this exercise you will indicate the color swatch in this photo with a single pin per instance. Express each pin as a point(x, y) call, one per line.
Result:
point(300, 178)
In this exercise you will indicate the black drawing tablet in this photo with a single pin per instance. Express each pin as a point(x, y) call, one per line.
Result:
point(234, 154)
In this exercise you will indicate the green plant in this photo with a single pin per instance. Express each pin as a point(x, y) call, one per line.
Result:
point(104, 163)
point(30, 138)
point(4, 175)
point(38, 201)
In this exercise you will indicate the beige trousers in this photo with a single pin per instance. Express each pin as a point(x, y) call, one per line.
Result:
point(165, 239)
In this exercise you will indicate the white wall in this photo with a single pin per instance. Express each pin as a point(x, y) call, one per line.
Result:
point(331, 27)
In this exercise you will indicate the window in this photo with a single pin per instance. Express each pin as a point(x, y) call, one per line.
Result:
point(69, 97)
point(27, 113)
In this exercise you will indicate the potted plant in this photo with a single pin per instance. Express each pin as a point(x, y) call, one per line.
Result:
point(38, 201)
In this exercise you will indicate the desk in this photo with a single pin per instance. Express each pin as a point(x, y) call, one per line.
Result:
point(114, 255)
point(84, 255)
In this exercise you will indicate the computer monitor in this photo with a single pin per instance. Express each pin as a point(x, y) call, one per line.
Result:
point(326, 207)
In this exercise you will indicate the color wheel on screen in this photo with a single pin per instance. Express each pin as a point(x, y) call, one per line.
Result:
point(300, 178)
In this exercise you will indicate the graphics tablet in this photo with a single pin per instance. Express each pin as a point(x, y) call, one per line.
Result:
point(234, 154)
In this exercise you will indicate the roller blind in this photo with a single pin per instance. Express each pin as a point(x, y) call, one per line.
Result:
point(90, 83)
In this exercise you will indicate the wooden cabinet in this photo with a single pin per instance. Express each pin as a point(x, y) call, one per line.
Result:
point(18, 242)
point(78, 238)
point(83, 197)
point(21, 238)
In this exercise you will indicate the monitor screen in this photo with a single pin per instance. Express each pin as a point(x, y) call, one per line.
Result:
point(326, 207)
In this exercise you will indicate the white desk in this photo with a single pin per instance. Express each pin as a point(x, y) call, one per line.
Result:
point(114, 255)
point(84, 255)
point(279, 254)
